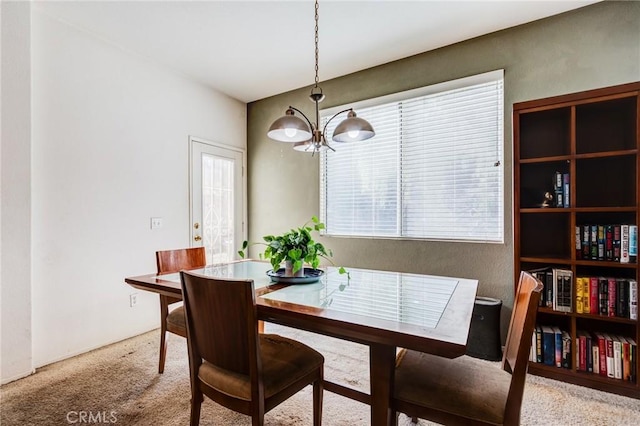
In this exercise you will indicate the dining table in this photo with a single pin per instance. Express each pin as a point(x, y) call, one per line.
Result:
point(384, 310)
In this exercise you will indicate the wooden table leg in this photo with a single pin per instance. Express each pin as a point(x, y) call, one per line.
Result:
point(381, 371)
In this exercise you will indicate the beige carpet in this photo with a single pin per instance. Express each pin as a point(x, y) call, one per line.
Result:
point(119, 384)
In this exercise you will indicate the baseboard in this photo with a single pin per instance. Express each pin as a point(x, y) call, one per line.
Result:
point(90, 348)
point(18, 377)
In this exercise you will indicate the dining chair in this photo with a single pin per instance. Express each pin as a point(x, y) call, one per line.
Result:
point(169, 262)
point(234, 365)
point(465, 390)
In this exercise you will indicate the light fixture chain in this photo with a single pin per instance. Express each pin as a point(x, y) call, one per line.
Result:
point(316, 41)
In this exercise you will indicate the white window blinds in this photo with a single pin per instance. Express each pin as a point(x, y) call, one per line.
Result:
point(433, 170)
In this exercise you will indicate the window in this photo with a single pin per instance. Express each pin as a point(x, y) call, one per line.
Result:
point(433, 170)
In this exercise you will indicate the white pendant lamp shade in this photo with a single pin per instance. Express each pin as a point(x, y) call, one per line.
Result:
point(353, 129)
point(289, 128)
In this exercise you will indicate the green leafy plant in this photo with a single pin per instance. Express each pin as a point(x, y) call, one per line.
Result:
point(297, 246)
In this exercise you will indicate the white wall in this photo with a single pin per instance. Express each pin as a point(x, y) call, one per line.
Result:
point(109, 150)
point(15, 181)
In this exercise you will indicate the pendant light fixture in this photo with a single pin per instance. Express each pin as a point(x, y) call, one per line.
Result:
point(305, 135)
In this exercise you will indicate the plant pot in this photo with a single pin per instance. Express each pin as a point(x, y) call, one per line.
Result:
point(288, 270)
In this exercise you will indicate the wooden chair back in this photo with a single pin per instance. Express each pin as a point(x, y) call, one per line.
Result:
point(516, 353)
point(222, 322)
point(171, 261)
point(167, 262)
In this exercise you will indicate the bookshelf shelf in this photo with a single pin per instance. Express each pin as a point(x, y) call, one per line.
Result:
point(551, 210)
point(547, 210)
point(602, 263)
point(545, 159)
point(589, 380)
point(549, 311)
point(584, 150)
point(602, 317)
point(630, 152)
point(554, 260)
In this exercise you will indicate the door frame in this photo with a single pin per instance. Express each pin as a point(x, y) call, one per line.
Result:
point(243, 152)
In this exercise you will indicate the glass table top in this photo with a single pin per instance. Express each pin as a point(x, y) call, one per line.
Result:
point(257, 271)
point(408, 298)
point(412, 299)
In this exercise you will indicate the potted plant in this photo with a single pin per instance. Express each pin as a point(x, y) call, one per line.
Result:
point(295, 247)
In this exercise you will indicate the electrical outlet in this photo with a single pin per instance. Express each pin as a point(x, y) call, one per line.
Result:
point(133, 299)
point(156, 222)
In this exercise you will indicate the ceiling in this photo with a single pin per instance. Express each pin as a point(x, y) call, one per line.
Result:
point(254, 49)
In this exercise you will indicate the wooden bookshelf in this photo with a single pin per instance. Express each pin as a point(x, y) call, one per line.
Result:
point(594, 137)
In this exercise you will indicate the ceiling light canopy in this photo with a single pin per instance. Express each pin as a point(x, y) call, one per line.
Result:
point(306, 135)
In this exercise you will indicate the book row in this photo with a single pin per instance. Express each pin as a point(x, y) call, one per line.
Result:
point(612, 297)
point(608, 355)
point(613, 242)
point(605, 296)
point(558, 286)
point(551, 346)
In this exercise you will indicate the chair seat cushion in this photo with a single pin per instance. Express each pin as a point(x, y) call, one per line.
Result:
point(176, 319)
point(463, 386)
point(283, 362)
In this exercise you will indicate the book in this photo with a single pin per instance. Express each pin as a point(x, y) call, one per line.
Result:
point(586, 240)
point(617, 357)
point(578, 242)
point(541, 274)
point(593, 292)
point(582, 350)
point(633, 299)
point(586, 296)
point(557, 181)
point(566, 350)
point(562, 294)
point(548, 345)
point(612, 297)
point(602, 351)
point(622, 298)
point(603, 291)
point(532, 349)
point(565, 188)
point(616, 243)
point(626, 359)
point(588, 352)
point(579, 295)
point(609, 349)
point(624, 243)
point(633, 243)
point(549, 288)
point(558, 345)
point(538, 344)
point(593, 255)
point(608, 242)
point(633, 360)
point(595, 349)
point(600, 242)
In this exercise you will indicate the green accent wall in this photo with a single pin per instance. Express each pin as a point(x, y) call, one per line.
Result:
point(595, 46)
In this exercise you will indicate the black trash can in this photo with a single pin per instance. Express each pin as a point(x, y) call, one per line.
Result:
point(484, 334)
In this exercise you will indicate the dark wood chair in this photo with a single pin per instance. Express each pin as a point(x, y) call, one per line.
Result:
point(169, 262)
point(465, 390)
point(233, 364)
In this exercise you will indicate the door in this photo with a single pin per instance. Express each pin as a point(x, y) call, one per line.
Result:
point(217, 199)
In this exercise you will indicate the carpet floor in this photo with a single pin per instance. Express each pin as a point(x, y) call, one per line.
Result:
point(119, 384)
